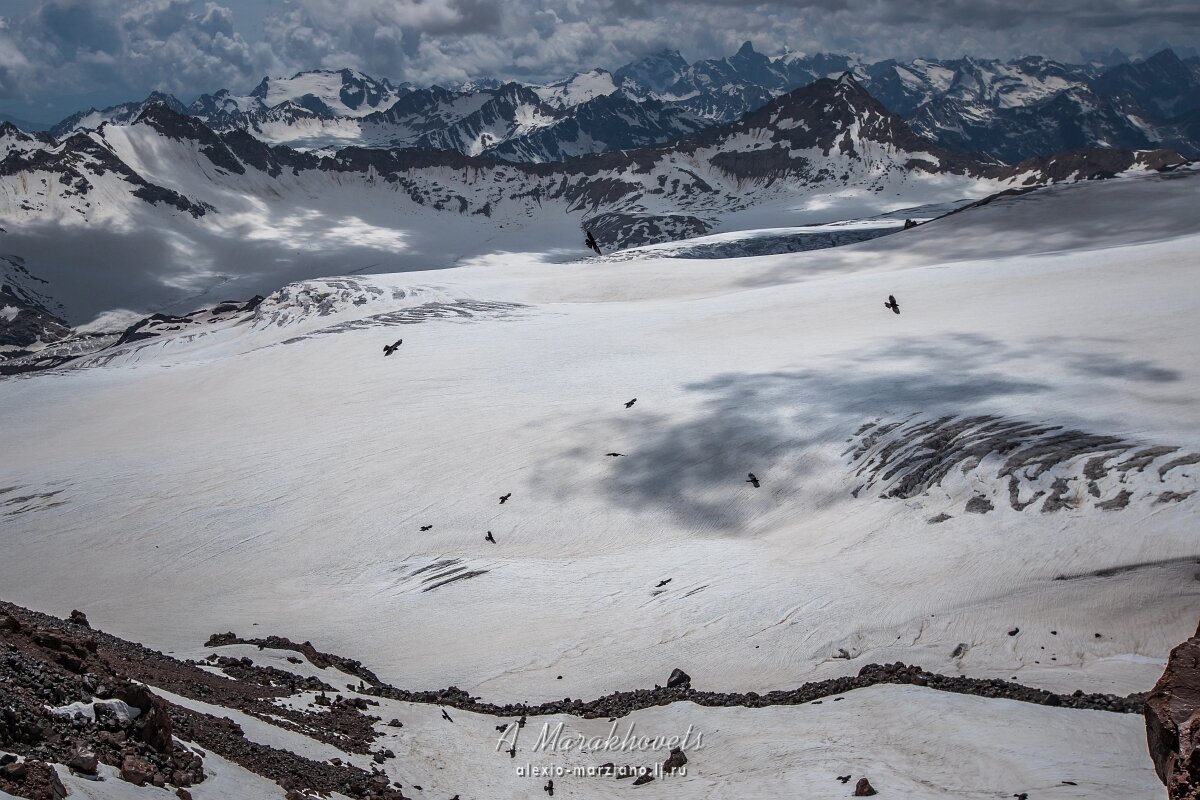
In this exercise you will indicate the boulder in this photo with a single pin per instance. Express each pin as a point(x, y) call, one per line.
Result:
point(1173, 722)
point(154, 722)
point(85, 762)
point(136, 770)
point(79, 618)
point(864, 788)
point(674, 761)
point(979, 505)
point(679, 678)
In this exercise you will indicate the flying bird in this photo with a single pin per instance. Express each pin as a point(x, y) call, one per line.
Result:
point(892, 304)
point(549, 787)
point(426, 527)
point(504, 498)
point(446, 716)
point(590, 241)
point(388, 349)
point(630, 403)
point(753, 481)
point(844, 778)
point(662, 583)
point(490, 538)
point(614, 455)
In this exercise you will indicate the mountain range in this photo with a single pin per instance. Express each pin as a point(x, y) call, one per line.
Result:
point(200, 201)
point(158, 207)
point(1003, 110)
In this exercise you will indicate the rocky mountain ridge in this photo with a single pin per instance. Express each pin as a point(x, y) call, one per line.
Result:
point(1009, 110)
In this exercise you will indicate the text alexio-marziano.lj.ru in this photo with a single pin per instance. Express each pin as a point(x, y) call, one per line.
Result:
point(591, 771)
point(555, 740)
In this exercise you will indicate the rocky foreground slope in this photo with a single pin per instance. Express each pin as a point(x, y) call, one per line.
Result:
point(1173, 722)
point(80, 701)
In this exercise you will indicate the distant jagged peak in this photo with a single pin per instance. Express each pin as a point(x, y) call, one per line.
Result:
point(171, 122)
point(121, 113)
point(328, 92)
point(579, 88)
point(476, 85)
point(849, 81)
point(746, 50)
point(10, 132)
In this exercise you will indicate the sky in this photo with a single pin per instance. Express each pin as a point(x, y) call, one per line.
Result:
point(60, 56)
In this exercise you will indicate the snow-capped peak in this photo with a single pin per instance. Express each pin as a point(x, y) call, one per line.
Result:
point(579, 88)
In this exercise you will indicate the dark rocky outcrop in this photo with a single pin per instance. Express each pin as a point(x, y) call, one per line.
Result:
point(678, 678)
point(676, 760)
point(28, 317)
point(46, 663)
point(83, 153)
point(1173, 722)
point(864, 788)
point(315, 656)
point(33, 779)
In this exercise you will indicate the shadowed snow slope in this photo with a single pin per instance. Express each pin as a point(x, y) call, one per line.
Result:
point(271, 475)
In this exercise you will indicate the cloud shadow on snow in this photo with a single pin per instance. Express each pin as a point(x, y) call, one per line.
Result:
point(770, 423)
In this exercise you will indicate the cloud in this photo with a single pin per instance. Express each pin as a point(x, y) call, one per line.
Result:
point(74, 46)
point(68, 47)
point(537, 39)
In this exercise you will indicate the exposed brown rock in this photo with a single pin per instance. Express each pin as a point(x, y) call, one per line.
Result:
point(155, 719)
point(678, 678)
point(136, 770)
point(84, 762)
point(674, 761)
point(1173, 722)
point(33, 779)
point(864, 788)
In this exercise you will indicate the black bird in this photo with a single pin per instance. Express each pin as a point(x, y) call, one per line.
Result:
point(426, 527)
point(614, 455)
point(662, 583)
point(446, 716)
point(892, 304)
point(512, 751)
point(502, 728)
point(549, 787)
point(630, 403)
point(753, 481)
point(590, 241)
point(388, 349)
point(490, 538)
point(504, 498)
point(844, 778)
